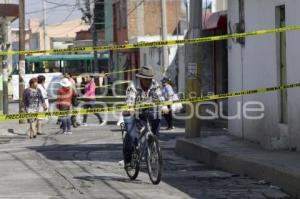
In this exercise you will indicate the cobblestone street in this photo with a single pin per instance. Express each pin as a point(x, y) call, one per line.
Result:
point(149, 99)
point(85, 165)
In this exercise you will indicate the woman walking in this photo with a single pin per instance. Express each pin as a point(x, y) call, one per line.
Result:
point(64, 103)
point(32, 100)
point(90, 96)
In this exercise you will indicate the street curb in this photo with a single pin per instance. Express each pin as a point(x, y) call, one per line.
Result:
point(240, 164)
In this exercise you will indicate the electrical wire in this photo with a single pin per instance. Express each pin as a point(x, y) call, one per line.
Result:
point(61, 4)
point(77, 5)
point(71, 29)
point(69, 15)
point(41, 10)
point(136, 7)
point(57, 5)
point(128, 14)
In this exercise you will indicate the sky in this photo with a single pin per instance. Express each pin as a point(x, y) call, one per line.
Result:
point(58, 11)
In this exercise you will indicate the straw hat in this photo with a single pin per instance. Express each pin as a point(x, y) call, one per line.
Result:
point(146, 72)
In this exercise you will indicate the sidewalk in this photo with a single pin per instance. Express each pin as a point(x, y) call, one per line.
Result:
point(13, 129)
point(226, 152)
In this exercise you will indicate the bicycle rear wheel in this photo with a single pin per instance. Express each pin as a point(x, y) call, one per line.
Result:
point(132, 171)
point(154, 160)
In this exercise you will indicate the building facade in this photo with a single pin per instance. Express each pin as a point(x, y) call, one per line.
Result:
point(265, 61)
point(152, 56)
point(66, 30)
point(132, 18)
point(58, 36)
point(137, 20)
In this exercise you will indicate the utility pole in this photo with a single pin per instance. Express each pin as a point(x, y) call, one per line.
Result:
point(95, 43)
point(45, 23)
point(95, 37)
point(2, 39)
point(194, 65)
point(5, 69)
point(164, 35)
point(21, 56)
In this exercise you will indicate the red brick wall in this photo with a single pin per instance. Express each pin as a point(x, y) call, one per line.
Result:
point(120, 33)
point(87, 35)
point(152, 18)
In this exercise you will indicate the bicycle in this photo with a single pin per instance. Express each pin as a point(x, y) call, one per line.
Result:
point(146, 147)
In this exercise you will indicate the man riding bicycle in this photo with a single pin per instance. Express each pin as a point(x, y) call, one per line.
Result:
point(144, 90)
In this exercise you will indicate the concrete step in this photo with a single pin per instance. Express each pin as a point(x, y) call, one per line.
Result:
point(232, 154)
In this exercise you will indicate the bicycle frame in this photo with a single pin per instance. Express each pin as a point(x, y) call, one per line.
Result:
point(143, 134)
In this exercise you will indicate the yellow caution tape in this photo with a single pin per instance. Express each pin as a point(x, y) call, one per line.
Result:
point(96, 97)
point(104, 86)
point(100, 97)
point(155, 43)
point(111, 85)
point(109, 73)
point(125, 71)
point(144, 106)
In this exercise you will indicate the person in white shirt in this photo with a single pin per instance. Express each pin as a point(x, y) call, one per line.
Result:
point(168, 94)
point(41, 87)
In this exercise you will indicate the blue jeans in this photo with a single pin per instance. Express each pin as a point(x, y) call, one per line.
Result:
point(131, 136)
point(66, 123)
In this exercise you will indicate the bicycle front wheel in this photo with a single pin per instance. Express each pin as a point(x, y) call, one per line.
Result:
point(154, 160)
point(132, 171)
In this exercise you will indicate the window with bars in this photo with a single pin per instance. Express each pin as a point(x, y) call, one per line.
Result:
point(99, 11)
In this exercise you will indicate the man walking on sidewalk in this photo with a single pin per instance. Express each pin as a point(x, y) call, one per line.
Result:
point(41, 86)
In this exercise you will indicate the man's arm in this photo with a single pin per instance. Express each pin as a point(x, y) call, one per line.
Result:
point(42, 99)
point(130, 100)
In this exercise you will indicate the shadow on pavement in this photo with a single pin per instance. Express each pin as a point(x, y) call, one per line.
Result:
point(112, 153)
point(110, 178)
point(81, 152)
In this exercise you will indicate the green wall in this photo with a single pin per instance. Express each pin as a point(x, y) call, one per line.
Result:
point(108, 22)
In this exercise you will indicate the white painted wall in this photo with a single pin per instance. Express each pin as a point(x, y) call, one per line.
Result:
point(256, 66)
point(51, 83)
point(219, 5)
point(151, 56)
